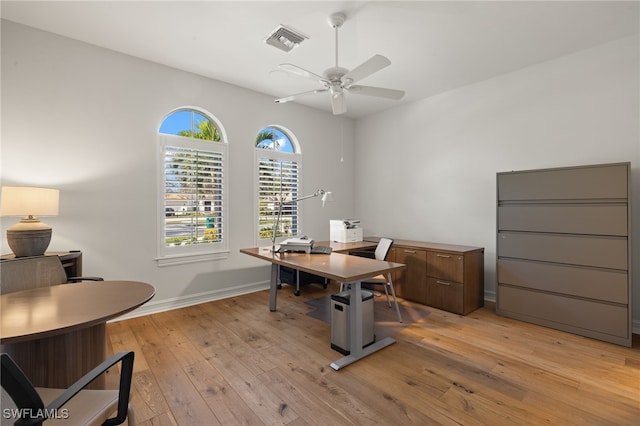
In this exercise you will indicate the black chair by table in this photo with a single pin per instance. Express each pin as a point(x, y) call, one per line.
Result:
point(28, 405)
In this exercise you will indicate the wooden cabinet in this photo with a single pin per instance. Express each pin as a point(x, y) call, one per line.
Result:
point(564, 249)
point(411, 282)
point(445, 276)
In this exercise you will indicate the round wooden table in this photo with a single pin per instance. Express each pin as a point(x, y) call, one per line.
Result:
point(57, 334)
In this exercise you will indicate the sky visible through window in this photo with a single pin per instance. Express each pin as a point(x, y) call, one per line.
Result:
point(179, 121)
point(280, 141)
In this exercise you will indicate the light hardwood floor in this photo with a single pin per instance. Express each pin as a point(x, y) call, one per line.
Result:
point(232, 362)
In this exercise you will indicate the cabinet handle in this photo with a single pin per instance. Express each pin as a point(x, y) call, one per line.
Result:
point(443, 255)
point(410, 251)
point(443, 282)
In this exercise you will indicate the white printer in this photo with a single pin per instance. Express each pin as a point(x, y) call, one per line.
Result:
point(345, 230)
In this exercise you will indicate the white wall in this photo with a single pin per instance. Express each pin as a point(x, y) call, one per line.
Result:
point(442, 154)
point(84, 119)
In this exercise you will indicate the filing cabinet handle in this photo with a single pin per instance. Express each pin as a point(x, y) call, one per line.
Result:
point(443, 255)
point(410, 251)
point(443, 282)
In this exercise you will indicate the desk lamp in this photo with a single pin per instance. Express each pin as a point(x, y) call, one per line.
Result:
point(29, 237)
point(326, 196)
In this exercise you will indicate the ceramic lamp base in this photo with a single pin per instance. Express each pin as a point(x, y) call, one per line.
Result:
point(29, 238)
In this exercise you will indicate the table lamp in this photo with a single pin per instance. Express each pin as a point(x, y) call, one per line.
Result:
point(29, 237)
point(326, 196)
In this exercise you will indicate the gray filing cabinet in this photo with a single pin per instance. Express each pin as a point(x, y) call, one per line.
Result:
point(341, 315)
point(564, 249)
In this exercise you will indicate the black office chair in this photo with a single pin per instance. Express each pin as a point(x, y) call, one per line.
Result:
point(380, 253)
point(297, 278)
point(27, 405)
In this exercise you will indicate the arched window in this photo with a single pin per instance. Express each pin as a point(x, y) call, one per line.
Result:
point(278, 164)
point(192, 175)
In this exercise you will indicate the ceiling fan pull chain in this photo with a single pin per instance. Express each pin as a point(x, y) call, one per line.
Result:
point(336, 30)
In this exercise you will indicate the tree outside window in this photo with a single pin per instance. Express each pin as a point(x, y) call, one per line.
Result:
point(278, 181)
point(193, 180)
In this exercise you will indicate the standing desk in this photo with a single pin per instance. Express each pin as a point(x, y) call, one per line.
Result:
point(339, 267)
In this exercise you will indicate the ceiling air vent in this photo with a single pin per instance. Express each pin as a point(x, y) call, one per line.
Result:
point(285, 38)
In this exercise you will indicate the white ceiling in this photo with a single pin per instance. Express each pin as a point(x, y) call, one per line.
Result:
point(434, 46)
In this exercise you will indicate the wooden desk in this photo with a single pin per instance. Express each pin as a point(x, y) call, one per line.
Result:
point(347, 247)
point(57, 334)
point(336, 266)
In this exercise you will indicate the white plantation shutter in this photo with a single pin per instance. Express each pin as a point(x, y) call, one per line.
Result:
point(192, 200)
point(194, 191)
point(278, 180)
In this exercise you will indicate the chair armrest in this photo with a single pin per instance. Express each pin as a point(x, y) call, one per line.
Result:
point(78, 279)
point(126, 375)
point(363, 253)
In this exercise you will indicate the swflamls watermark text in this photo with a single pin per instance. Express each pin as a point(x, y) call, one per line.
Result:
point(26, 413)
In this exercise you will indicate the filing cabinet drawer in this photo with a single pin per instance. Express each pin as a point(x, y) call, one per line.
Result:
point(445, 295)
point(447, 266)
point(578, 183)
point(411, 281)
point(589, 317)
point(590, 219)
point(598, 284)
point(586, 250)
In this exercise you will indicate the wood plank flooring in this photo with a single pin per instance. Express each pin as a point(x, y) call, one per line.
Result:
point(232, 362)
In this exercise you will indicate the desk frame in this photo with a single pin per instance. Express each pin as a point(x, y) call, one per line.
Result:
point(339, 267)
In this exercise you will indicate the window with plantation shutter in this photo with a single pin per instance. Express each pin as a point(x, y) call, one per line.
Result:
point(192, 178)
point(278, 165)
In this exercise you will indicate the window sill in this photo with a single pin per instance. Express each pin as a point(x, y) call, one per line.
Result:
point(182, 259)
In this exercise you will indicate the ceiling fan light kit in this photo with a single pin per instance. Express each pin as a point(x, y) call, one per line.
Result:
point(336, 80)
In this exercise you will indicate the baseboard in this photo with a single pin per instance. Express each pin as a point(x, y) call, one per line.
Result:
point(193, 299)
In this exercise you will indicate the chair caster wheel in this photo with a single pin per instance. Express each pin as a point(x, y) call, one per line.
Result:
point(279, 286)
point(296, 293)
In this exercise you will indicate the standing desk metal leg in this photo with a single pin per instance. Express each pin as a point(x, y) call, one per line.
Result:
point(273, 288)
point(355, 332)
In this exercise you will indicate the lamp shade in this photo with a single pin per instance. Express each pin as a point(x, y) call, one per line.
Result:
point(29, 201)
point(327, 196)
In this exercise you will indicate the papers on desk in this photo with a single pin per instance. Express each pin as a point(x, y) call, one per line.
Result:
point(296, 245)
point(302, 245)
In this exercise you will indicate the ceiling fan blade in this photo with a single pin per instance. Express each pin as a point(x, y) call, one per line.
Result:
point(376, 91)
point(368, 67)
point(292, 97)
point(294, 69)
point(338, 104)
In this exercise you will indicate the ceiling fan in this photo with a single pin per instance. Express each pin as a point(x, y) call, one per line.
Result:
point(336, 80)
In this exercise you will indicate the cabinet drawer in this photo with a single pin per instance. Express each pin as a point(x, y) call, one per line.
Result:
point(576, 183)
point(565, 313)
point(448, 266)
point(445, 295)
point(594, 219)
point(603, 252)
point(591, 283)
point(410, 283)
